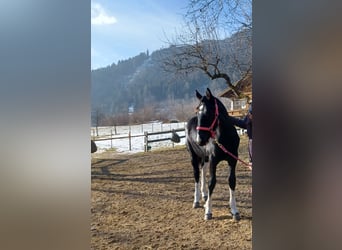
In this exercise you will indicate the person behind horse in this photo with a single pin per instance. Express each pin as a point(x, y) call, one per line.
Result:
point(246, 123)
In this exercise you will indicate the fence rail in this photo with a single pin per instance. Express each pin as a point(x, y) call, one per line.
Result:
point(146, 136)
point(149, 138)
point(147, 141)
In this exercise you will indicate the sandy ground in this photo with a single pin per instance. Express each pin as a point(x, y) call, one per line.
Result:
point(144, 201)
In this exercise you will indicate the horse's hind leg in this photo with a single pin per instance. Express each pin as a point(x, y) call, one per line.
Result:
point(204, 186)
point(232, 184)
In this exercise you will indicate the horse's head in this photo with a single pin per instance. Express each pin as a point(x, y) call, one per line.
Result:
point(207, 117)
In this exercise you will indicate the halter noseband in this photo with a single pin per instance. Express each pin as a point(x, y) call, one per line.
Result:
point(211, 128)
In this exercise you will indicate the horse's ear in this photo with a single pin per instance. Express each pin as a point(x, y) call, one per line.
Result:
point(208, 94)
point(198, 95)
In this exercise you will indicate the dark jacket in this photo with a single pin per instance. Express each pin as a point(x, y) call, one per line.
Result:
point(245, 123)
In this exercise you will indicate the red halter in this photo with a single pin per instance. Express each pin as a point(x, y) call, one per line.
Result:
point(211, 128)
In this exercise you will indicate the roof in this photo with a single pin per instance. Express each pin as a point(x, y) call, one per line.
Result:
point(244, 86)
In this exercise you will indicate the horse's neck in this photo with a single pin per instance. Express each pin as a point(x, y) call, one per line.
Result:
point(225, 128)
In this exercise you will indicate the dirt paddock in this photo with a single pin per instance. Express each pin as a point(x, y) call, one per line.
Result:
point(144, 201)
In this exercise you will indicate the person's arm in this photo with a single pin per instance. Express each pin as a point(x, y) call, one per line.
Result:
point(242, 123)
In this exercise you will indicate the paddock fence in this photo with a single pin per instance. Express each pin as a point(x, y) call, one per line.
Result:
point(149, 138)
point(135, 139)
point(147, 142)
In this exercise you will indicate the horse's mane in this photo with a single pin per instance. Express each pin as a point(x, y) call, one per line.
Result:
point(224, 116)
point(222, 108)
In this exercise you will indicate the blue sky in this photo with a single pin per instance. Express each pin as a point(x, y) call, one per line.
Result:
point(121, 29)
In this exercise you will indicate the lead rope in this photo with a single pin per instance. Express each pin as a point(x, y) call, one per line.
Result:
point(229, 153)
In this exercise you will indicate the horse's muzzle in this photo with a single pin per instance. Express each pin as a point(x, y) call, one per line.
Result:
point(200, 141)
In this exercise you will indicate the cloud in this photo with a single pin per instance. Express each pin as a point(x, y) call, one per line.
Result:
point(99, 16)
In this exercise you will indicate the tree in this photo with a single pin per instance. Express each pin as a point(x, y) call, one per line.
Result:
point(98, 117)
point(231, 15)
point(216, 40)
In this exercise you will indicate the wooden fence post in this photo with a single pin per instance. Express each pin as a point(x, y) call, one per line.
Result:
point(145, 141)
point(111, 138)
point(129, 138)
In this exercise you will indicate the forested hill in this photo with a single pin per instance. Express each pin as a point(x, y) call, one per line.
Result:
point(141, 80)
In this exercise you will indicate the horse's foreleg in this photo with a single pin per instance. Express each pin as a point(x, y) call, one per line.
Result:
point(232, 200)
point(195, 165)
point(232, 204)
point(197, 195)
point(204, 185)
point(212, 182)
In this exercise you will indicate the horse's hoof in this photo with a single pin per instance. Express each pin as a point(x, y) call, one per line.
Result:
point(208, 216)
point(205, 198)
point(236, 217)
point(196, 205)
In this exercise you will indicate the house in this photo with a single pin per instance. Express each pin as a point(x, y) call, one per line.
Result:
point(239, 104)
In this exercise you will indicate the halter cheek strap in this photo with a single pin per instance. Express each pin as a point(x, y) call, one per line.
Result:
point(211, 128)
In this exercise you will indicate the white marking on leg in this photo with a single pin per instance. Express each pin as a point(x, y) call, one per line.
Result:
point(197, 192)
point(207, 207)
point(232, 202)
point(204, 185)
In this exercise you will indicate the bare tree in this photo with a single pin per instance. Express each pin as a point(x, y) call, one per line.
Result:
point(98, 119)
point(231, 15)
point(206, 42)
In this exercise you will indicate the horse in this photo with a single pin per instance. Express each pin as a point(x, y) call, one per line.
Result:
point(209, 136)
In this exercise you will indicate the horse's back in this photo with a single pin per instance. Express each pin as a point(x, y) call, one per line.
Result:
point(194, 149)
point(191, 129)
point(192, 123)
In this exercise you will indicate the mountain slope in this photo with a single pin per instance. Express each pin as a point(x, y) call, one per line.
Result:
point(141, 80)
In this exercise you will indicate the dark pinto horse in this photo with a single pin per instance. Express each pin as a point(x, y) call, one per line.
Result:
point(209, 134)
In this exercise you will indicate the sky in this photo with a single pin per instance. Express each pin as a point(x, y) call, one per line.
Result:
point(122, 29)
